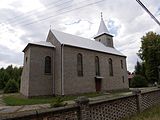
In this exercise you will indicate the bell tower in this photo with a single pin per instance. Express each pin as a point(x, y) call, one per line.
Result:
point(103, 34)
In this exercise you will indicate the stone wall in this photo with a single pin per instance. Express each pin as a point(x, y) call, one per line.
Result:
point(34, 80)
point(58, 62)
point(86, 83)
point(41, 83)
point(113, 109)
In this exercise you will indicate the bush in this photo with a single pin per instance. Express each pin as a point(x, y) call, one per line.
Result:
point(11, 86)
point(59, 102)
point(139, 81)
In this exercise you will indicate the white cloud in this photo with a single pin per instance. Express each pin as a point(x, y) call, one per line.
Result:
point(11, 40)
point(6, 4)
point(28, 5)
point(129, 20)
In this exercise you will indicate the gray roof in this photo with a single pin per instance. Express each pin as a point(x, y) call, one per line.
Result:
point(76, 41)
point(102, 29)
point(41, 43)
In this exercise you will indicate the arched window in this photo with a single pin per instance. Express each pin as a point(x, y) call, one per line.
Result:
point(110, 67)
point(79, 64)
point(47, 64)
point(97, 66)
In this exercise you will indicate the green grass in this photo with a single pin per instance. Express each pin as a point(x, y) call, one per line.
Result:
point(17, 99)
point(149, 114)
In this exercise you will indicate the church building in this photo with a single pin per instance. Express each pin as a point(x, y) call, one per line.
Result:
point(66, 64)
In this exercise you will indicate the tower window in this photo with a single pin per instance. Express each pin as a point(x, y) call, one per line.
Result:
point(47, 64)
point(79, 64)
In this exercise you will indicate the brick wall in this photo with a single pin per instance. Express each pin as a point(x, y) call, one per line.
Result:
point(113, 109)
point(150, 98)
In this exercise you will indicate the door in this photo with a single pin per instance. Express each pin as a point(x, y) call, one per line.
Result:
point(98, 84)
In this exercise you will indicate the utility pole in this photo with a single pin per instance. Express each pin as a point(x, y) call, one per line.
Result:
point(146, 9)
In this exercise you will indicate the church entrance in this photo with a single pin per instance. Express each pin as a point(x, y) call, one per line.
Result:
point(98, 84)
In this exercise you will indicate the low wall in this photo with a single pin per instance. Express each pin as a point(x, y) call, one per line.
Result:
point(113, 109)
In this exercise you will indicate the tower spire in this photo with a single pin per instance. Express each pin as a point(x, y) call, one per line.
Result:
point(102, 28)
point(103, 34)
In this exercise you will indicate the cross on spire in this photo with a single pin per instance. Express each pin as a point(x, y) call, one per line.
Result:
point(102, 28)
point(101, 15)
point(50, 27)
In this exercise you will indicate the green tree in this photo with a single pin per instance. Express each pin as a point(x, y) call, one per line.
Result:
point(139, 81)
point(10, 73)
point(11, 86)
point(150, 54)
point(140, 69)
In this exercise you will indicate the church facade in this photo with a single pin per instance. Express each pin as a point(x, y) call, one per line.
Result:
point(67, 64)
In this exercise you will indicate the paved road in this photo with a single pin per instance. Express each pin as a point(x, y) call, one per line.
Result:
point(14, 109)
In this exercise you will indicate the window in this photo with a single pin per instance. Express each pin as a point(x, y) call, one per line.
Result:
point(26, 59)
point(122, 64)
point(123, 79)
point(99, 40)
point(79, 64)
point(47, 64)
point(97, 66)
point(108, 39)
point(110, 67)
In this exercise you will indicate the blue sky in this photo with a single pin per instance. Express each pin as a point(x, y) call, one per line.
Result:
point(125, 19)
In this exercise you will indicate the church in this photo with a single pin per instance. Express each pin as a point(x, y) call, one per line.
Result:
point(66, 64)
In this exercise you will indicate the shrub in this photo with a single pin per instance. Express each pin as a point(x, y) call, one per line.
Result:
point(58, 102)
point(139, 81)
point(11, 86)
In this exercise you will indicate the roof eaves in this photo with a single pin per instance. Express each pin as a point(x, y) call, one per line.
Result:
point(36, 45)
point(102, 34)
point(94, 50)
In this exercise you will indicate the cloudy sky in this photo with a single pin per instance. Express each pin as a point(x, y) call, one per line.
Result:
point(23, 21)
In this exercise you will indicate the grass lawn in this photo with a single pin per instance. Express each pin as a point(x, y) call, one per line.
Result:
point(17, 99)
point(149, 114)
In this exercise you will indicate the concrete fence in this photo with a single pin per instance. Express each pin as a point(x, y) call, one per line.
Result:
point(113, 109)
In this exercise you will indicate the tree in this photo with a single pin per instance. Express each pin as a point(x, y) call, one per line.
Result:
point(11, 86)
point(10, 73)
point(140, 69)
point(150, 54)
point(139, 81)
